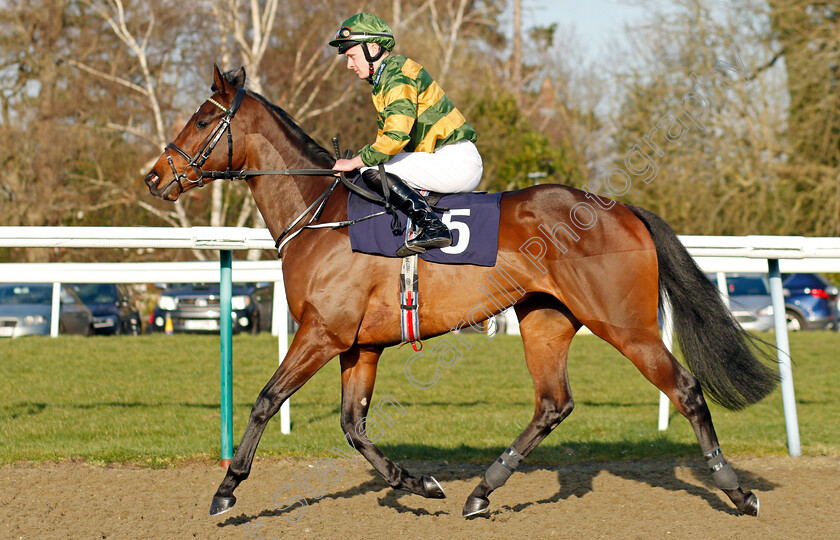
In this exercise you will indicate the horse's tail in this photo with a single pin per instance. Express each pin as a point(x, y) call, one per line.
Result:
point(722, 355)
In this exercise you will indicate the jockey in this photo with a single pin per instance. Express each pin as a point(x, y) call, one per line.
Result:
point(423, 141)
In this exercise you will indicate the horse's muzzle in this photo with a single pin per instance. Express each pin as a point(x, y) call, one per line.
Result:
point(169, 192)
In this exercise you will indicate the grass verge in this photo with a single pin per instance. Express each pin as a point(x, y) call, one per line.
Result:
point(154, 400)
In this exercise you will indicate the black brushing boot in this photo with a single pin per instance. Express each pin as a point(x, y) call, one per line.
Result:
point(431, 232)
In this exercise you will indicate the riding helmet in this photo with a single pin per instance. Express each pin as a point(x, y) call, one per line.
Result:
point(361, 28)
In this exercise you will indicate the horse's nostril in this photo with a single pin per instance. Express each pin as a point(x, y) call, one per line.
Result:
point(152, 179)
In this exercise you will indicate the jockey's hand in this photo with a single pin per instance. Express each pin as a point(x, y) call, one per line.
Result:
point(347, 165)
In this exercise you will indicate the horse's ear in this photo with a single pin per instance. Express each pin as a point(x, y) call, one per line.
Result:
point(238, 79)
point(225, 83)
point(218, 81)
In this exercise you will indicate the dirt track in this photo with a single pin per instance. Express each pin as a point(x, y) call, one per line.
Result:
point(800, 498)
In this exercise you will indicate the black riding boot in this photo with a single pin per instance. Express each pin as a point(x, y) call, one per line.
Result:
point(431, 232)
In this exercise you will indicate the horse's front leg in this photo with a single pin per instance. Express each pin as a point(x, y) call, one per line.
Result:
point(310, 351)
point(358, 374)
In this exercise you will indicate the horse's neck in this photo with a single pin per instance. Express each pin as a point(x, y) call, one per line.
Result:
point(280, 199)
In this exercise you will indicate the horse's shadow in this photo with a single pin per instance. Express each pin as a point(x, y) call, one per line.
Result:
point(575, 479)
point(376, 483)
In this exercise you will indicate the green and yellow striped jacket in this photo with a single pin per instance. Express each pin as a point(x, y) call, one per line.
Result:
point(414, 113)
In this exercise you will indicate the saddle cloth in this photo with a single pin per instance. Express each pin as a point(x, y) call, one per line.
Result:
point(473, 219)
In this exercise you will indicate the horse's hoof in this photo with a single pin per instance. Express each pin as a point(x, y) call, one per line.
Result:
point(475, 505)
point(750, 504)
point(433, 488)
point(220, 505)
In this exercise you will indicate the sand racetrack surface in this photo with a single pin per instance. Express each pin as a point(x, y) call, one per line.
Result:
point(800, 498)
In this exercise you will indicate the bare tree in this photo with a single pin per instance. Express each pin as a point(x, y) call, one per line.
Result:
point(452, 23)
point(59, 170)
point(250, 29)
point(113, 13)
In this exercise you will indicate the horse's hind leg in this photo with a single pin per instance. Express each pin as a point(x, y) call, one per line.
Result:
point(358, 373)
point(647, 352)
point(547, 329)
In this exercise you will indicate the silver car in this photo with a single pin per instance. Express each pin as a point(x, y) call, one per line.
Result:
point(26, 310)
point(749, 300)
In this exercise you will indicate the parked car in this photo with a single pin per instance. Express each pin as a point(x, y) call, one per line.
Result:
point(113, 306)
point(837, 315)
point(26, 310)
point(195, 308)
point(810, 302)
point(749, 300)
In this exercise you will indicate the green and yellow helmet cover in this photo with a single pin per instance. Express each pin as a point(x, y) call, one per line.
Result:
point(364, 27)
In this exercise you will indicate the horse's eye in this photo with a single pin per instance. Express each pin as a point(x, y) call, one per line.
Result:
point(201, 124)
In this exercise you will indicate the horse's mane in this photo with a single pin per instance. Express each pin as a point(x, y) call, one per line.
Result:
point(307, 145)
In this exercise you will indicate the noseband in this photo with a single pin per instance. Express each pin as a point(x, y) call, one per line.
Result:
point(195, 162)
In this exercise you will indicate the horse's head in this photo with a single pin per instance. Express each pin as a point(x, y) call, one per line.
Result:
point(186, 162)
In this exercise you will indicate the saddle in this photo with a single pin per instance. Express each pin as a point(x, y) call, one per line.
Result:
point(433, 198)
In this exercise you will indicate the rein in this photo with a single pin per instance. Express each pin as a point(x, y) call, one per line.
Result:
point(195, 162)
point(244, 174)
point(321, 202)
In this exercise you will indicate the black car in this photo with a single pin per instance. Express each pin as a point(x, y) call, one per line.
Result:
point(195, 308)
point(113, 306)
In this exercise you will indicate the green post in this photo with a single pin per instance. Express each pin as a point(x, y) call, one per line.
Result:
point(226, 331)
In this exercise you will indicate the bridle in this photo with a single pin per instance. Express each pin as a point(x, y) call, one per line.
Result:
point(195, 162)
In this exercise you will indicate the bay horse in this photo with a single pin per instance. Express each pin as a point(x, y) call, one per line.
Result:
point(612, 277)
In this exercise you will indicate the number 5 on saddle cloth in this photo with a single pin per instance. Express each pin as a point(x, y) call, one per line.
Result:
point(473, 219)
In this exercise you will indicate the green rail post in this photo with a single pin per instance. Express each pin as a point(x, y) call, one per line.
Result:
point(225, 333)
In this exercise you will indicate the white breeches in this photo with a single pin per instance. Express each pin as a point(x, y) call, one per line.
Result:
point(452, 168)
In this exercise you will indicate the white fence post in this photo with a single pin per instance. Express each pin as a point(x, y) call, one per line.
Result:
point(783, 354)
point(280, 328)
point(668, 339)
point(56, 309)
